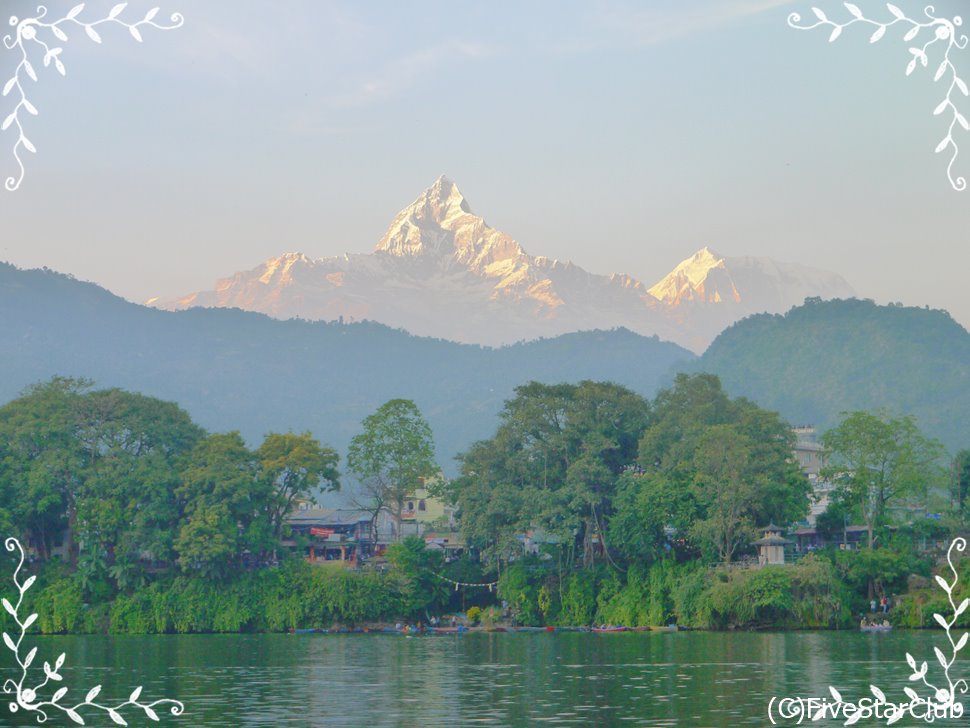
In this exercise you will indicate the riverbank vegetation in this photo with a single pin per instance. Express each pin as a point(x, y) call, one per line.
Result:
point(589, 505)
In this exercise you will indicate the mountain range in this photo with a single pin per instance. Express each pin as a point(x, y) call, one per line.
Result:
point(441, 271)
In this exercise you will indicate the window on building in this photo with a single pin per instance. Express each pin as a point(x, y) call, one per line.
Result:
point(410, 505)
point(421, 506)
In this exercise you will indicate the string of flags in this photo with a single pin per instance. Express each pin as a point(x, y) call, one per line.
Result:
point(490, 584)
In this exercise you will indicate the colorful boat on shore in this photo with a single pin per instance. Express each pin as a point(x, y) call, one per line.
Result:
point(876, 628)
point(609, 629)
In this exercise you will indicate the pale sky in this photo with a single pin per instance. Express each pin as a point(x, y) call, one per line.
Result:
point(620, 135)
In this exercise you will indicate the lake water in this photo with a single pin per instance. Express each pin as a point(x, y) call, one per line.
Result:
point(602, 680)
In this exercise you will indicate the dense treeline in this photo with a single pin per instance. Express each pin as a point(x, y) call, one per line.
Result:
point(590, 504)
point(636, 510)
point(602, 473)
point(136, 488)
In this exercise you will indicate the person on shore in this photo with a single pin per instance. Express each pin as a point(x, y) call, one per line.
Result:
point(872, 605)
point(884, 603)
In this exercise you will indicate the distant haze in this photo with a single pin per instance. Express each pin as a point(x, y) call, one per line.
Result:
point(624, 136)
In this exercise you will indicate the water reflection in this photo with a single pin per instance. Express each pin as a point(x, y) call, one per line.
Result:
point(645, 679)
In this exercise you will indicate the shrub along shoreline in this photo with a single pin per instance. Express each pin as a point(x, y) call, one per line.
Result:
point(807, 595)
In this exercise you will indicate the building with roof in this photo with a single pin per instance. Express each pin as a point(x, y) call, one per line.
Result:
point(332, 534)
point(771, 548)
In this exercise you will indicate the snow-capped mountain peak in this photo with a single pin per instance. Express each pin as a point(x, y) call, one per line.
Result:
point(440, 223)
point(440, 270)
point(696, 278)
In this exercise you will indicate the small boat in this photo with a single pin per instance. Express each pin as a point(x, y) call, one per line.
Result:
point(876, 628)
point(312, 630)
point(667, 628)
point(447, 630)
point(609, 629)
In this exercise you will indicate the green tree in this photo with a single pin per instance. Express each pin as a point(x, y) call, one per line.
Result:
point(392, 456)
point(415, 573)
point(295, 466)
point(726, 488)
point(710, 467)
point(40, 460)
point(103, 463)
point(131, 447)
point(208, 541)
point(553, 464)
point(878, 461)
point(226, 506)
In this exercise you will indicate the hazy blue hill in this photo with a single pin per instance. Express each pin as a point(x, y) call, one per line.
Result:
point(823, 358)
point(236, 370)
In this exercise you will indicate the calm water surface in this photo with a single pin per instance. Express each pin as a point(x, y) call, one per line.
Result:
point(603, 680)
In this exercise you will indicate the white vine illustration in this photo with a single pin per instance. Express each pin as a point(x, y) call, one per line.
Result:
point(944, 694)
point(33, 34)
point(941, 30)
point(28, 698)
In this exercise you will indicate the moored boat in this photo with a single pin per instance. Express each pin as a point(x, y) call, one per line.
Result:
point(609, 629)
point(447, 630)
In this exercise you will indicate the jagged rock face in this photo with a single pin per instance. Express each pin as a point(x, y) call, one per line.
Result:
point(441, 271)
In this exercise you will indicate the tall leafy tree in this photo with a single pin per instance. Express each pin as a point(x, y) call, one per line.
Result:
point(879, 461)
point(726, 485)
point(712, 468)
point(392, 456)
point(40, 460)
point(131, 446)
point(553, 464)
point(295, 466)
point(416, 575)
point(226, 506)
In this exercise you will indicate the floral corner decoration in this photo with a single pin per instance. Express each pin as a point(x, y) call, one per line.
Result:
point(34, 39)
point(942, 701)
point(923, 35)
point(29, 699)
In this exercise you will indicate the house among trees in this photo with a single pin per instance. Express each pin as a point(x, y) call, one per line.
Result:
point(449, 543)
point(771, 548)
point(811, 459)
point(423, 512)
point(333, 535)
point(847, 537)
